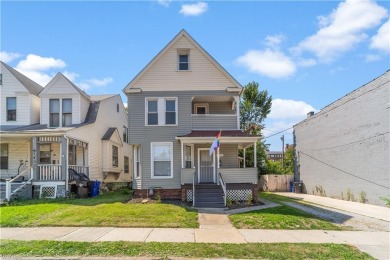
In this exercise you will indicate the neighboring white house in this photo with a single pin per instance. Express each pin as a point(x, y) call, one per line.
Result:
point(343, 150)
point(88, 134)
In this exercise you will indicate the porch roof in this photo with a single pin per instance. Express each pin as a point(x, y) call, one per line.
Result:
point(227, 136)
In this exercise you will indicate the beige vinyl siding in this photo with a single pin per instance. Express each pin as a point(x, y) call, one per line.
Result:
point(61, 86)
point(84, 105)
point(45, 109)
point(203, 74)
point(35, 104)
point(17, 150)
point(13, 88)
point(92, 134)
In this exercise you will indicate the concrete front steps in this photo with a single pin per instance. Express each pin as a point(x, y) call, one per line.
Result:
point(209, 196)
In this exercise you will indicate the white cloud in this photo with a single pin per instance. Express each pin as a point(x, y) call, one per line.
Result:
point(343, 29)
point(270, 63)
point(38, 63)
point(8, 56)
point(273, 41)
point(289, 109)
point(70, 75)
point(373, 57)
point(193, 9)
point(381, 40)
point(100, 82)
point(164, 2)
point(306, 62)
point(83, 86)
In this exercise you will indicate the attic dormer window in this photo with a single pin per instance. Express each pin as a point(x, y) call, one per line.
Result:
point(183, 59)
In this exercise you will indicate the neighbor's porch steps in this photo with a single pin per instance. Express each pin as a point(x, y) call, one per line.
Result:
point(209, 196)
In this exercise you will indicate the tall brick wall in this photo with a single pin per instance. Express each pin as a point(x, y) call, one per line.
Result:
point(352, 135)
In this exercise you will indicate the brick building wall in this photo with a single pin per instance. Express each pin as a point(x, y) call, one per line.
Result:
point(343, 150)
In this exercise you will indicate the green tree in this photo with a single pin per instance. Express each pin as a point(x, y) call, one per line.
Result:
point(289, 160)
point(255, 105)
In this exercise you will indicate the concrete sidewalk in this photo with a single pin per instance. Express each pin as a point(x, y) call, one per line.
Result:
point(382, 213)
point(376, 244)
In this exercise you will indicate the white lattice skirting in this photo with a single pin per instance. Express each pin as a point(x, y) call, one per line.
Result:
point(48, 191)
point(189, 195)
point(239, 195)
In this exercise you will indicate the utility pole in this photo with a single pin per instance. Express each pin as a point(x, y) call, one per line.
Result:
point(282, 138)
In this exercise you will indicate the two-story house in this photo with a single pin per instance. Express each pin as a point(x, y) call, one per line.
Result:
point(177, 105)
point(88, 134)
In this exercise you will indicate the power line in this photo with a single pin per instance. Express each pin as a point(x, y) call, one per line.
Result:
point(342, 170)
point(278, 132)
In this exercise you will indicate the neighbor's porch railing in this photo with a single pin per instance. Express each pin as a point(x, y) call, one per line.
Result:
point(80, 169)
point(8, 184)
point(50, 172)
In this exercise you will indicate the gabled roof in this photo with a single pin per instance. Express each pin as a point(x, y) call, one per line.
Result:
point(168, 46)
point(31, 86)
point(109, 133)
point(57, 77)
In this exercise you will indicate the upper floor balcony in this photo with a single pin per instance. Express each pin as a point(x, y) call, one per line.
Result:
point(215, 112)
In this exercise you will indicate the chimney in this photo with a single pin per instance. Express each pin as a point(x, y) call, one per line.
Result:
point(310, 114)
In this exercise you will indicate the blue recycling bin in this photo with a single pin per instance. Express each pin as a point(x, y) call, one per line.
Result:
point(95, 189)
point(291, 186)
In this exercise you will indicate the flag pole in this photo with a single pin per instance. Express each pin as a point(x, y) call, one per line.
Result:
point(218, 150)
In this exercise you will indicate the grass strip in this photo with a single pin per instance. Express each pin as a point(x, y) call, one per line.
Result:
point(109, 209)
point(249, 251)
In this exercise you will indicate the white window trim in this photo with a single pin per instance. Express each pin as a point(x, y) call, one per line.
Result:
point(192, 156)
point(183, 52)
point(152, 161)
point(161, 109)
point(60, 112)
point(205, 105)
point(135, 162)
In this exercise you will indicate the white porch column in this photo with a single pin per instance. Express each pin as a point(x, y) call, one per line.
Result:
point(237, 99)
point(182, 154)
point(64, 160)
point(255, 155)
point(244, 157)
point(218, 158)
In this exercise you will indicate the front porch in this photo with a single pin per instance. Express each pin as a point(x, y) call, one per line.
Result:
point(221, 170)
point(43, 163)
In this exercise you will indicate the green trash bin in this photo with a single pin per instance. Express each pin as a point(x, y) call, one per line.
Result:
point(297, 187)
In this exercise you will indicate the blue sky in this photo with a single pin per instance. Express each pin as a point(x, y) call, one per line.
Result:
point(305, 54)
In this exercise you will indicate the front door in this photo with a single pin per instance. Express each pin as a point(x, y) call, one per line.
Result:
point(205, 166)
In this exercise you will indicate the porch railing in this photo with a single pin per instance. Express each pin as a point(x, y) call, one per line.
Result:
point(50, 172)
point(239, 175)
point(217, 121)
point(223, 185)
point(80, 169)
point(187, 175)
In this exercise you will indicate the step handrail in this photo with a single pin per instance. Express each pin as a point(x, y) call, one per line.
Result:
point(9, 182)
point(223, 185)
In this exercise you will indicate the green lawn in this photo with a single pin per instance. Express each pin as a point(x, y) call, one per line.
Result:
point(105, 210)
point(282, 217)
point(115, 249)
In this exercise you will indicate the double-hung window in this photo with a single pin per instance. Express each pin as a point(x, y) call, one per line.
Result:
point(115, 156)
point(66, 112)
point(4, 156)
point(183, 56)
point(162, 163)
point(170, 111)
point(125, 135)
point(161, 111)
point(11, 108)
point(189, 156)
point(126, 164)
point(54, 110)
point(137, 161)
point(152, 112)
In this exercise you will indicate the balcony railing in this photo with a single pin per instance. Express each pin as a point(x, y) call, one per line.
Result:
point(214, 121)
